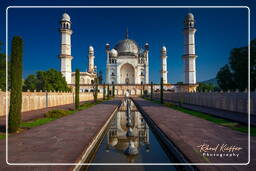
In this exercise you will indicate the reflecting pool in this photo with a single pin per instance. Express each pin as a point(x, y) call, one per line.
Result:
point(130, 140)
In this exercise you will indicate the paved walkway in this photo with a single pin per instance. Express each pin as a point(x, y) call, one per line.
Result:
point(34, 114)
point(234, 116)
point(60, 141)
point(187, 132)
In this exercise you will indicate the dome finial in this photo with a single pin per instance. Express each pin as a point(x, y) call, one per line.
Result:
point(126, 34)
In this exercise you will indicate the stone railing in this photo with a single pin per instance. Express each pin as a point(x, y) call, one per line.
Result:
point(230, 101)
point(39, 100)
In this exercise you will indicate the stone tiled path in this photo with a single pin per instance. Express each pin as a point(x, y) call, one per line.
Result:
point(187, 132)
point(60, 141)
point(34, 114)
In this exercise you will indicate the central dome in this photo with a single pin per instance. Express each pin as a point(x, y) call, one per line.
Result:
point(127, 46)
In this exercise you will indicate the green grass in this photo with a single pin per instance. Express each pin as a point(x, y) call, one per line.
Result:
point(37, 122)
point(230, 124)
point(45, 120)
point(2, 136)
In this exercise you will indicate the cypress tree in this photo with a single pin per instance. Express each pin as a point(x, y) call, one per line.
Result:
point(14, 118)
point(151, 90)
point(141, 91)
point(108, 92)
point(77, 85)
point(113, 90)
point(95, 93)
point(104, 91)
point(161, 91)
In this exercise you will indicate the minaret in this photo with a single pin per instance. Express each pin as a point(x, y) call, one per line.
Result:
point(146, 63)
point(65, 52)
point(164, 64)
point(189, 49)
point(91, 59)
point(107, 64)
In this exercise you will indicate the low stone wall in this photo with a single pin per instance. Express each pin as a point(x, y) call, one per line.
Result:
point(230, 101)
point(39, 100)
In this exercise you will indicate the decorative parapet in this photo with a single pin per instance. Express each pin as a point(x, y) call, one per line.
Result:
point(38, 100)
point(230, 101)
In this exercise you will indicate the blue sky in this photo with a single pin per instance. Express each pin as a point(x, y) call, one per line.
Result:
point(218, 31)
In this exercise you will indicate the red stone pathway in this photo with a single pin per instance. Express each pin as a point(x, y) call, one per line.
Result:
point(60, 141)
point(187, 132)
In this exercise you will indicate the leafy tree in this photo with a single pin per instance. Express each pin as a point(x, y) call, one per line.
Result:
point(77, 89)
point(30, 83)
point(238, 62)
point(235, 75)
point(206, 87)
point(16, 84)
point(3, 70)
point(225, 79)
point(50, 80)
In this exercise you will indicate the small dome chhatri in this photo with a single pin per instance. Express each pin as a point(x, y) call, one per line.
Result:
point(189, 21)
point(113, 53)
point(189, 17)
point(91, 49)
point(164, 49)
point(65, 17)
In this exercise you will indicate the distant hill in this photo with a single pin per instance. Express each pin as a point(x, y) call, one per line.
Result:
point(211, 81)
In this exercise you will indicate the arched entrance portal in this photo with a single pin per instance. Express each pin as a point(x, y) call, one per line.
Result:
point(127, 74)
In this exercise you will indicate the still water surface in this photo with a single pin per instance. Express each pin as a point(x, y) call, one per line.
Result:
point(113, 148)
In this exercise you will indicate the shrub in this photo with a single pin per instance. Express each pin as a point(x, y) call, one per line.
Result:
point(57, 113)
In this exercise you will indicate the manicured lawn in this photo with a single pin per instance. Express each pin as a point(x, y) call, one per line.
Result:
point(230, 124)
point(37, 122)
point(2, 136)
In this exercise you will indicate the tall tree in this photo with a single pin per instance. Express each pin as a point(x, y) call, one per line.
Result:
point(108, 91)
point(3, 70)
point(30, 83)
point(77, 89)
point(151, 91)
point(253, 64)
point(51, 80)
point(16, 84)
point(225, 79)
point(104, 91)
point(236, 76)
point(95, 92)
point(113, 90)
point(206, 87)
point(238, 62)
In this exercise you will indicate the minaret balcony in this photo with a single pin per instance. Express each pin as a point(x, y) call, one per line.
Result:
point(65, 56)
